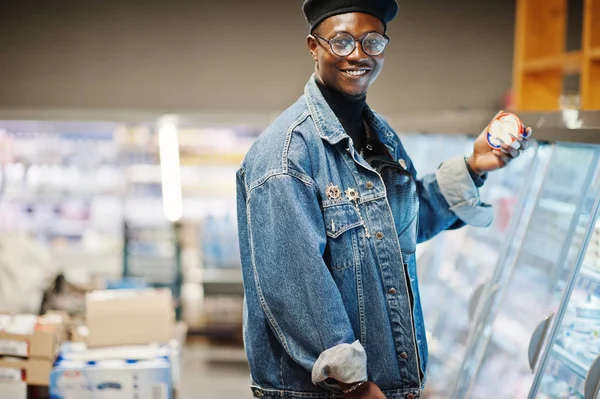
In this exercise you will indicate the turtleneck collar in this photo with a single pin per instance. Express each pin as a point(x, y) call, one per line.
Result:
point(342, 105)
point(348, 110)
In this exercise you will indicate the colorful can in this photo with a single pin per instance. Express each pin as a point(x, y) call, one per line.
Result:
point(505, 128)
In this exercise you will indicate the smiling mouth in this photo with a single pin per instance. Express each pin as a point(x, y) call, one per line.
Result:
point(356, 73)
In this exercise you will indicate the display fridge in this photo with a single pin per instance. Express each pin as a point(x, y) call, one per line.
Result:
point(455, 266)
point(536, 327)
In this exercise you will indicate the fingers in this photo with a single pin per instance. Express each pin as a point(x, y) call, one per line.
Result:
point(523, 139)
point(510, 151)
point(502, 157)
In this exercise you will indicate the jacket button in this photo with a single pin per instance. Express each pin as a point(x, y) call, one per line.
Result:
point(369, 185)
point(404, 355)
point(379, 235)
point(392, 291)
point(410, 396)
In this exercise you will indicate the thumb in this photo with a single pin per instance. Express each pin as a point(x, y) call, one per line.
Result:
point(485, 129)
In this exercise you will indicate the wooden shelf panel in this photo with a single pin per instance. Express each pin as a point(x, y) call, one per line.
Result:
point(569, 63)
point(594, 54)
point(592, 23)
point(542, 70)
point(543, 27)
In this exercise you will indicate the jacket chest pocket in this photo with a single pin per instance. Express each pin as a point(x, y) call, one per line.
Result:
point(342, 224)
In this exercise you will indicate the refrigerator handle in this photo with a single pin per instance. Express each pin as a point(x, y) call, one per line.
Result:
point(474, 300)
point(591, 388)
point(537, 340)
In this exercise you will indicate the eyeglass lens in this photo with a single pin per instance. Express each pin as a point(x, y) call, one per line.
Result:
point(344, 44)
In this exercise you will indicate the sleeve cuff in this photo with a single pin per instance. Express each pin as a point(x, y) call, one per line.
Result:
point(461, 193)
point(345, 363)
point(478, 180)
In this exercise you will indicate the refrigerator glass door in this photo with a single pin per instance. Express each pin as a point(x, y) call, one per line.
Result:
point(530, 285)
point(575, 340)
point(456, 265)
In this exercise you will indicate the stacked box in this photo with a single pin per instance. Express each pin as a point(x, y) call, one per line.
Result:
point(28, 346)
point(128, 372)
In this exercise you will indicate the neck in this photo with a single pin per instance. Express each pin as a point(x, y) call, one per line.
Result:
point(349, 111)
point(344, 106)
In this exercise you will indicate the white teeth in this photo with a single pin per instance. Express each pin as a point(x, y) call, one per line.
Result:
point(357, 73)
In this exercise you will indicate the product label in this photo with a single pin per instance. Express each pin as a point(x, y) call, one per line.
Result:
point(14, 348)
point(73, 384)
point(7, 374)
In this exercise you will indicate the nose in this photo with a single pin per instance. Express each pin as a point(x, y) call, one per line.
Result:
point(358, 55)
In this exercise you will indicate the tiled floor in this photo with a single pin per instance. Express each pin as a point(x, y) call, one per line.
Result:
point(214, 373)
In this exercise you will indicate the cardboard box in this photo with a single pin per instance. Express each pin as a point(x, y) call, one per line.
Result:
point(13, 390)
point(112, 373)
point(129, 317)
point(180, 333)
point(79, 333)
point(39, 337)
point(65, 321)
point(34, 371)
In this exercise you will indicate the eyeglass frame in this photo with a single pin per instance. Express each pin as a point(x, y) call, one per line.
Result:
point(354, 43)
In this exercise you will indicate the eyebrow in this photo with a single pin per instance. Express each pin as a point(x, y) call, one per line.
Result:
point(363, 35)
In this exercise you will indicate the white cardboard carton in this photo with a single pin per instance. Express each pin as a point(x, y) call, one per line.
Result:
point(13, 389)
point(113, 375)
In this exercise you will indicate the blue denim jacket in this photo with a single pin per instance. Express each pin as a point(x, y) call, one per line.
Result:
point(326, 301)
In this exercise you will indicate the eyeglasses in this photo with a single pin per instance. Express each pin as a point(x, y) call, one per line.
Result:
point(343, 43)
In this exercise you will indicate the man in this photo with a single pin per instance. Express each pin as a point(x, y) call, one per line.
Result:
point(327, 240)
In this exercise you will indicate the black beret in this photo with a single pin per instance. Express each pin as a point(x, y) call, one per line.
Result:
point(316, 11)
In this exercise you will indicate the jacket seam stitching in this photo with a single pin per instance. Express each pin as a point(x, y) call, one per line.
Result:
point(344, 229)
point(360, 290)
point(277, 173)
point(313, 112)
point(361, 201)
point(288, 139)
point(261, 296)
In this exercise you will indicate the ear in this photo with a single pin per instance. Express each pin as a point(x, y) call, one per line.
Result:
point(313, 46)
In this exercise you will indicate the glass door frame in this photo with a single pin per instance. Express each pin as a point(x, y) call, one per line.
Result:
point(552, 335)
point(483, 327)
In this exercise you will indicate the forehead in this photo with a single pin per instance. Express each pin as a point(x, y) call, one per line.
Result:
point(355, 23)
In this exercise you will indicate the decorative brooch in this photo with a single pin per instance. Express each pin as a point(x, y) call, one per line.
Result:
point(333, 192)
point(352, 195)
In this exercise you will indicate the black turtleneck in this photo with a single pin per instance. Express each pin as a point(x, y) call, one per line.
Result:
point(349, 111)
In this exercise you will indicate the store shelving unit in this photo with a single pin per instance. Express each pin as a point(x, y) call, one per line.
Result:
point(590, 86)
point(60, 181)
point(543, 61)
point(152, 253)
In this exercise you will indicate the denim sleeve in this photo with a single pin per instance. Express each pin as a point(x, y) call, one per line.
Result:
point(478, 180)
point(461, 193)
point(449, 199)
point(299, 297)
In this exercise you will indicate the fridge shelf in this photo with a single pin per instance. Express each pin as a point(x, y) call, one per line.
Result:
point(570, 361)
point(590, 275)
point(589, 282)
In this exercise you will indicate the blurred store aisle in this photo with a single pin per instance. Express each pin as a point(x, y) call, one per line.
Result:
point(214, 372)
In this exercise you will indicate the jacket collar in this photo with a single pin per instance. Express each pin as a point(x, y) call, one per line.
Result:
point(329, 127)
